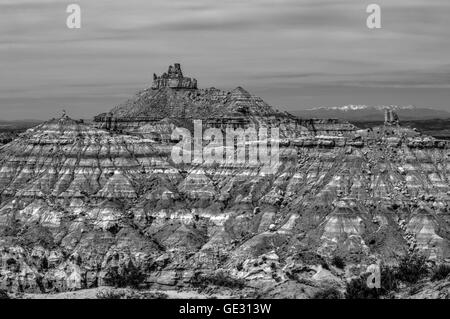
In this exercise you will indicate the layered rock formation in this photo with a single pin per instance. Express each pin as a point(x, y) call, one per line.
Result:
point(173, 79)
point(82, 205)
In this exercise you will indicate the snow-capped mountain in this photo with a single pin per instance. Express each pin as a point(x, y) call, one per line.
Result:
point(372, 113)
point(353, 107)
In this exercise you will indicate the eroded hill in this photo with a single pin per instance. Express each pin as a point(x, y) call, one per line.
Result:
point(88, 205)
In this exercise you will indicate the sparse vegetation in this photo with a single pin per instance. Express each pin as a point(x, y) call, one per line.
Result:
point(412, 268)
point(110, 294)
point(357, 288)
point(325, 265)
point(129, 294)
point(338, 261)
point(440, 272)
point(129, 276)
point(219, 278)
point(328, 293)
point(389, 281)
point(3, 294)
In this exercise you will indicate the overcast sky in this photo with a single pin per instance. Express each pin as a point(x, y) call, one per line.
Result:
point(295, 54)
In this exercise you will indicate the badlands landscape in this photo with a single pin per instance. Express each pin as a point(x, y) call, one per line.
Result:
point(102, 203)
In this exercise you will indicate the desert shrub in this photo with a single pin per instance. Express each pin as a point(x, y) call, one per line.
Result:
point(328, 293)
point(110, 294)
point(217, 279)
point(155, 295)
point(440, 272)
point(388, 279)
point(338, 261)
point(130, 276)
point(129, 294)
point(3, 294)
point(44, 263)
point(357, 289)
point(412, 268)
point(11, 261)
point(325, 265)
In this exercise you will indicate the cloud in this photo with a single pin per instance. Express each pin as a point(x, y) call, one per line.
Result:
point(275, 47)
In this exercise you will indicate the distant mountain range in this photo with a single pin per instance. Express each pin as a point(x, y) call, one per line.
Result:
point(20, 122)
point(17, 125)
point(372, 113)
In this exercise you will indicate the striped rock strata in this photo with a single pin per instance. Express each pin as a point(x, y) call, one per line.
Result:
point(82, 205)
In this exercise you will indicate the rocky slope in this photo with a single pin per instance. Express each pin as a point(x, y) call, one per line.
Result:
point(5, 138)
point(89, 205)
